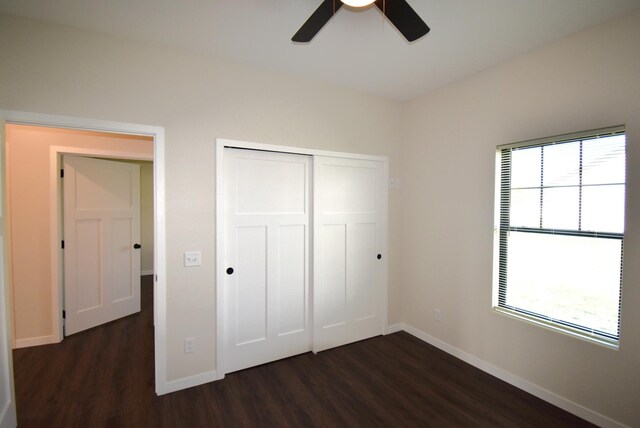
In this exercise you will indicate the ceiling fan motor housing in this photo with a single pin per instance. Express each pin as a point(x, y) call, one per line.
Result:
point(398, 12)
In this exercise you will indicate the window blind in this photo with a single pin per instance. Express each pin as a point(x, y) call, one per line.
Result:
point(561, 230)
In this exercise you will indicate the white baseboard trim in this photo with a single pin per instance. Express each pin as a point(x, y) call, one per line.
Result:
point(394, 328)
point(146, 272)
point(35, 341)
point(190, 381)
point(535, 390)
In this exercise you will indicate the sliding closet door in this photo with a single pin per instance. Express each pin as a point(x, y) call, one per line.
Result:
point(349, 257)
point(267, 212)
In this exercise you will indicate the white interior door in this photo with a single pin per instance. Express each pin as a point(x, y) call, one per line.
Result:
point(7, 398)
point(267, 211)
point(349, 241)
point(101, 229)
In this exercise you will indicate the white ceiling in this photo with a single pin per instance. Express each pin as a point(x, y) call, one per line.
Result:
point(357, 48)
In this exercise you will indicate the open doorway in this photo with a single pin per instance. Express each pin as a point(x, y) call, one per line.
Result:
point(34, 158)
point(156, 133)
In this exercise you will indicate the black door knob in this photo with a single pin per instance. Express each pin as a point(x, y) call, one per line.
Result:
point(379, 256)
point(229, 271)
point(137, 246)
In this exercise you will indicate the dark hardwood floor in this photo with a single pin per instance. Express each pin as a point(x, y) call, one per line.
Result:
point(104, 378)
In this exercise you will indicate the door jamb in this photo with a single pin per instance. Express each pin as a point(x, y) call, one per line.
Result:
point(157, 133)
point(221, 144)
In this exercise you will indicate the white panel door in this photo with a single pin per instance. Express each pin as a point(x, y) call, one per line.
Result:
point(267, 211)
point(349, 242)
point(7, 399)
point(101, 234)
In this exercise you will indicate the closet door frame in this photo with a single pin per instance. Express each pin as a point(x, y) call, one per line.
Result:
point(221, 144)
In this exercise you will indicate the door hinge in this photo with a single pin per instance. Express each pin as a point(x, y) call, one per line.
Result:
point(62, 173)
point(62, 244)
point(64, 314)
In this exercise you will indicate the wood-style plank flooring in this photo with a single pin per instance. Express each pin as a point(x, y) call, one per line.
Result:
point(104, 377)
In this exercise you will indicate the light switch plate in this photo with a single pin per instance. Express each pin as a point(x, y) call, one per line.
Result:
point(192, 258)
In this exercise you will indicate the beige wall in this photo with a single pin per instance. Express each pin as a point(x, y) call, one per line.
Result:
point(57, 70)
point(146, 217)
point(587, 81)
point(28, 156)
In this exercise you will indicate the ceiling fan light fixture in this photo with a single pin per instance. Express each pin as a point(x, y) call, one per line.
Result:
point(398, 12)
point(357, 3)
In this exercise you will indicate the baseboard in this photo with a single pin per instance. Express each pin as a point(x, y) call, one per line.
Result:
point(394, 328)
point(190, 381)
point(542, 393)
point(35, 341)
point(146, 272)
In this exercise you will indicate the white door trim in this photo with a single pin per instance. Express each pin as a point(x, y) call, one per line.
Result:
point(8, 416)
point(160, 295)
point(221, 143)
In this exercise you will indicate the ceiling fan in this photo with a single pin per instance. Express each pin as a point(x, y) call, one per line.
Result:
point(399, 13)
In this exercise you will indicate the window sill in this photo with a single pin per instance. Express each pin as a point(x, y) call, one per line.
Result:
point(549, 325)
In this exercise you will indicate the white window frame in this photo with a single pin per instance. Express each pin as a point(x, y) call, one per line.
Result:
point(520, 315)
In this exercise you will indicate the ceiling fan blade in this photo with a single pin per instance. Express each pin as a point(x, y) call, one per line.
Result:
point(404, 18)
point(316, 21)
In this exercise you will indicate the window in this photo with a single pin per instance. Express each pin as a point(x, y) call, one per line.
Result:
point(560, 232)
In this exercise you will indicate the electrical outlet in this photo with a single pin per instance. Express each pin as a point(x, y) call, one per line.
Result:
point(189, 345)
point(394, 183)
point(437, 315)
